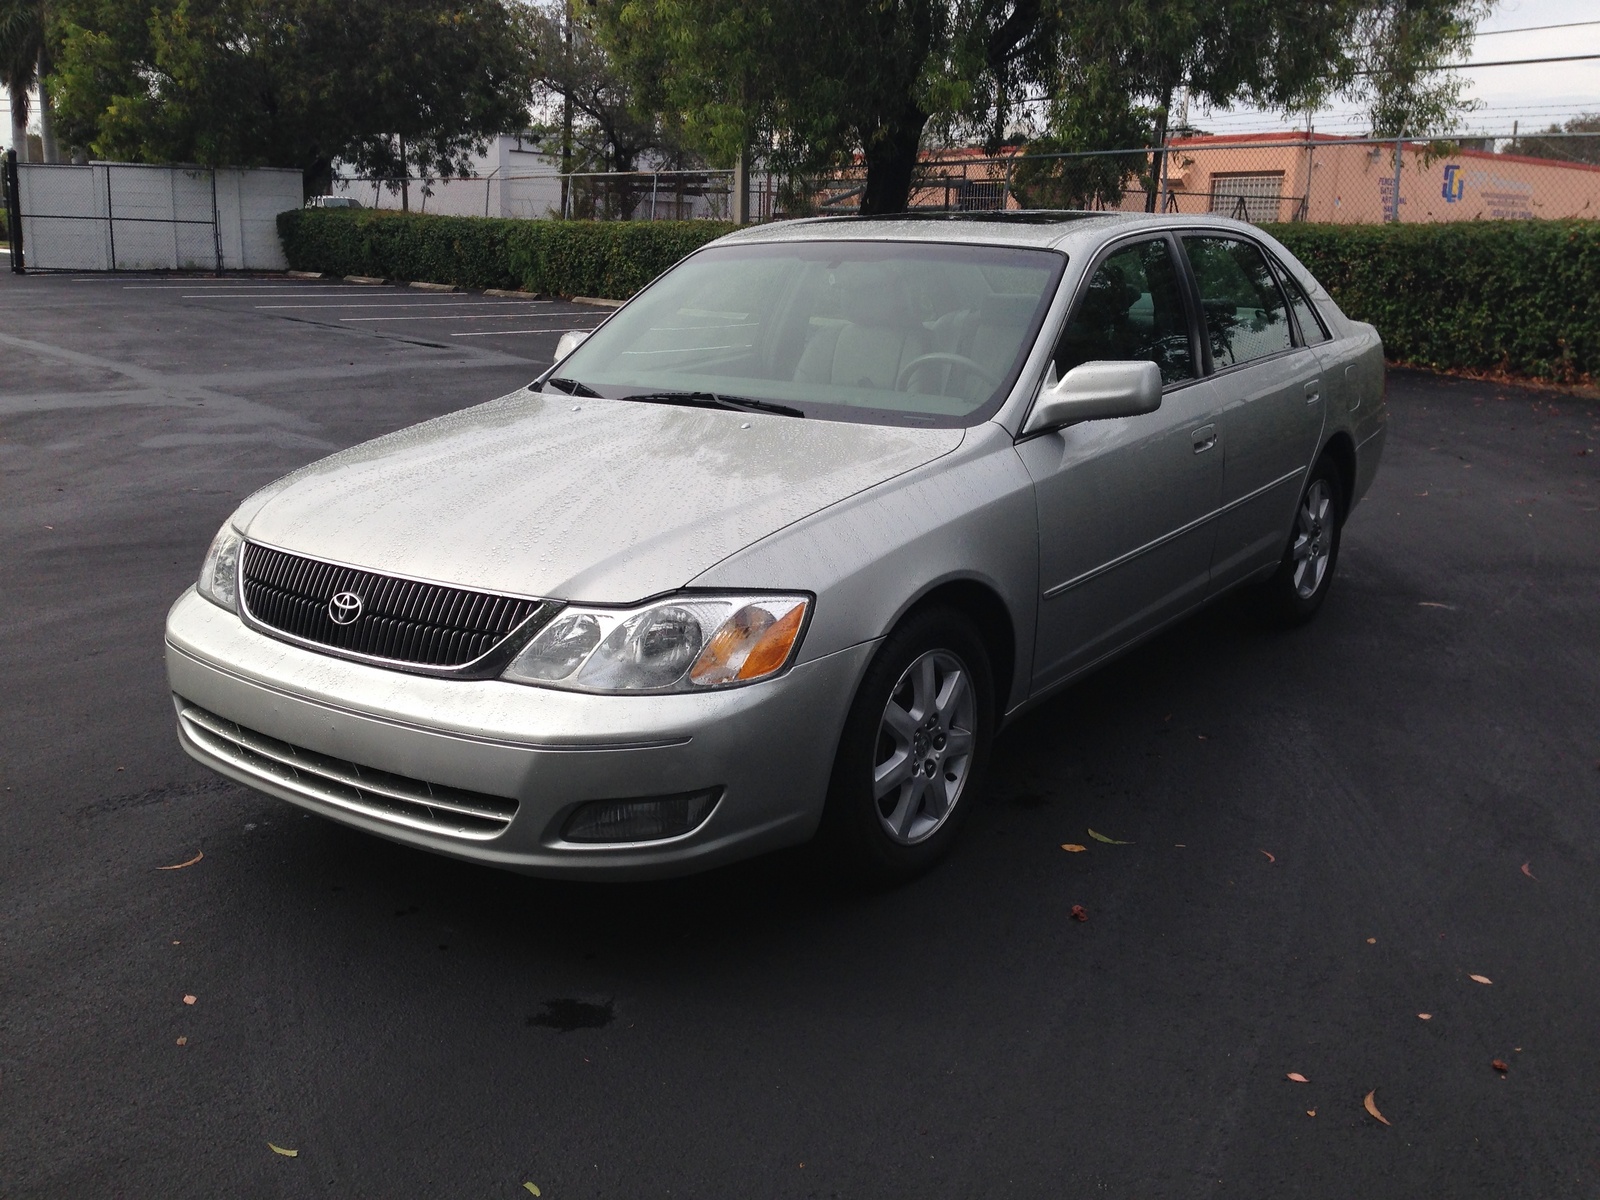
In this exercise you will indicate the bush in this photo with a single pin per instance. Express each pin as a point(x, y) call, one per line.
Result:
point(608, 259)
point(1520, 297)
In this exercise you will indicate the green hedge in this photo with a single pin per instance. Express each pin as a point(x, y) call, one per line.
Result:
point(608, 259)
point(1520, 297)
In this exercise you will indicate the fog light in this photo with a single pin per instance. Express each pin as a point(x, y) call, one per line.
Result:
point(647, 820)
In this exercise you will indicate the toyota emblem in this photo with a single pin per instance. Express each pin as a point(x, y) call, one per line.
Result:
point(344, 608)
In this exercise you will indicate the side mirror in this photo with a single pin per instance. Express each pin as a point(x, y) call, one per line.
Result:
point(570, 341)
point(1096, 390)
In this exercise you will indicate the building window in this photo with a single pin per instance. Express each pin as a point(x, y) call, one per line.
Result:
point(1249, 197)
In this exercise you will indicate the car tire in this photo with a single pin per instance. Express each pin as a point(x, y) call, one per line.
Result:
point(912, 752)
point(1295, 592)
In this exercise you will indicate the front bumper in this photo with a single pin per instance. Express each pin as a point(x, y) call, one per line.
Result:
point(769, 747)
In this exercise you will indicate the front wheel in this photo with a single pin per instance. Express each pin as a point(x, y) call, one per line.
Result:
point(913, 746)
point(1296, 591)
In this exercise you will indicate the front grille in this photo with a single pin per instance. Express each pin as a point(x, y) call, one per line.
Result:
point(414, 803)
point(427, 625)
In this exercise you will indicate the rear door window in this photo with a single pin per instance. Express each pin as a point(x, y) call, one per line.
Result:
point(1312, 330)
point(1245, 314)
point(1131, 310)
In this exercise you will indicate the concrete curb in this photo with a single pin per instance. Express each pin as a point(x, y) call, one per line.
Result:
point(304, 274)
point(510, 294)
point(363, 279)
point(597, 302)
point(436, 287)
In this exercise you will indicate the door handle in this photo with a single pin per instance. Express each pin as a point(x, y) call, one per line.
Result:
point(1313, 391)
point(1204, 438)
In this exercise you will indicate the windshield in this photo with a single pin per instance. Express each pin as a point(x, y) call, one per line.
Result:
point(887, 332)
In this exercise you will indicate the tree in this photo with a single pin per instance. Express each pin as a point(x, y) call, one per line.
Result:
point(25, 65)
point(820, 81)
point(1399, 49)
point(390, 86)
point(1581, 149)
point(823, 80)
point(605, 127)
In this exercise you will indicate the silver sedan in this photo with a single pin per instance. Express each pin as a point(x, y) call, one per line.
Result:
point(776, 551)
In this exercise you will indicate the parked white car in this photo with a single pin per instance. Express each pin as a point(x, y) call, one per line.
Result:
point(782, 544)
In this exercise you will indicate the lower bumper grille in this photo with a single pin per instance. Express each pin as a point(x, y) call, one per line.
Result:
point(414, 803)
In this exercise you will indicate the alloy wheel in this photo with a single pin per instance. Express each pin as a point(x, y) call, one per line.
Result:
point(924, 748)
point(1313, 539)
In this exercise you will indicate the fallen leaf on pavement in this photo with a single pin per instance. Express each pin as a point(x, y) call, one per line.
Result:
point(282, 1151)
point(183, 1041)
point(1271, 857)
point(1372, 1107)
point(1425, 1016)
point(1298, 1078)
point(182, 865)
point(534, 1188)
point(1080, 913)
point(1100, 837)
point(1529, 873)
point(1501, 1065)
point(190, 999)
point(1480, 979)
point(1073, 847)
point(1372, 941)
point(1311, 1112)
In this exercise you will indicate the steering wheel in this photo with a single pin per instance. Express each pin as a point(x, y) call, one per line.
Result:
point(951, 363)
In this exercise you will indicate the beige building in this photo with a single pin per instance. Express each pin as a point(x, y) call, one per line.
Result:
point(1285, 177)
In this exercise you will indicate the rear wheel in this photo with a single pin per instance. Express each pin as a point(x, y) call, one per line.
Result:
point(913, 746)
point(1296, 591)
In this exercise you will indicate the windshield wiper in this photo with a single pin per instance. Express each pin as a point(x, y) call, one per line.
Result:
point(573, 388)
point(717, 400)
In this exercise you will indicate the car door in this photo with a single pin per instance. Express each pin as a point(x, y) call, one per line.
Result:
point(1270, 388)
point(1125, 504)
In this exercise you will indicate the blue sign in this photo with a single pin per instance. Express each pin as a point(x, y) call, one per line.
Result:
point(1454, 185)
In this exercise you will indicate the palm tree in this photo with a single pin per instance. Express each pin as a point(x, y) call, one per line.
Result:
point(24, 64)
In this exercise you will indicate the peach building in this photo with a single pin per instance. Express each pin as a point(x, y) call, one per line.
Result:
point(1284, 177)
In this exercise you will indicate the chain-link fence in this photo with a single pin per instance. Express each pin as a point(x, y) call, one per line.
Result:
point(680, 195)
point(1253, 177)
point(1261, 179)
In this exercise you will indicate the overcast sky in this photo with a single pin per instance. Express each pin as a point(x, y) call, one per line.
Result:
point(1534, 96)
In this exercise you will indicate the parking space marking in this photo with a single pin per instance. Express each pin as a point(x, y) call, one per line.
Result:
point(513, 332)
point(451, 317)
point(417, 304)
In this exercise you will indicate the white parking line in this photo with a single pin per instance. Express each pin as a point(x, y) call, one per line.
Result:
point(513, 332)
point(418, 304)
point(510, 316)
point(219, 289)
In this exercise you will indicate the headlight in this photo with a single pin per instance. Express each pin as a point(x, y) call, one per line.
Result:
point(684, 644)
point(219, 574)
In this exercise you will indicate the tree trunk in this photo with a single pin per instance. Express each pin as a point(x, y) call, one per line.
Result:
point(892, 163)
point(316, 178)
point(19, 123)
point(47, 124)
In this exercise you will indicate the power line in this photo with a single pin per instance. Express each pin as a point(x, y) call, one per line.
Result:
point(1532, 28)
point(1503, 62)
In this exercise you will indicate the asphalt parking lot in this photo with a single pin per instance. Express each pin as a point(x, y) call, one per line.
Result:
point(1327, 835)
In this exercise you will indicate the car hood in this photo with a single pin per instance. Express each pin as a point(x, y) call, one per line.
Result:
point(581, 499)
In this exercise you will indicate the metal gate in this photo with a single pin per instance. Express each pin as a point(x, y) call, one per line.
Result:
point(114, 217)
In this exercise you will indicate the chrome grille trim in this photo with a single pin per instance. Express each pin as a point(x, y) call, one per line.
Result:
point(414, 803)
point(406, 624)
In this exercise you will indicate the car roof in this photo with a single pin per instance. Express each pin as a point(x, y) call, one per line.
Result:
point(1040, 228)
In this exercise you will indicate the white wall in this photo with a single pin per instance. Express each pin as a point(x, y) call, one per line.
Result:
point(132, 217)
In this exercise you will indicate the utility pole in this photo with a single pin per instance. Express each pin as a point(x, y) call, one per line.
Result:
point(566, 111)
point(741, 188)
